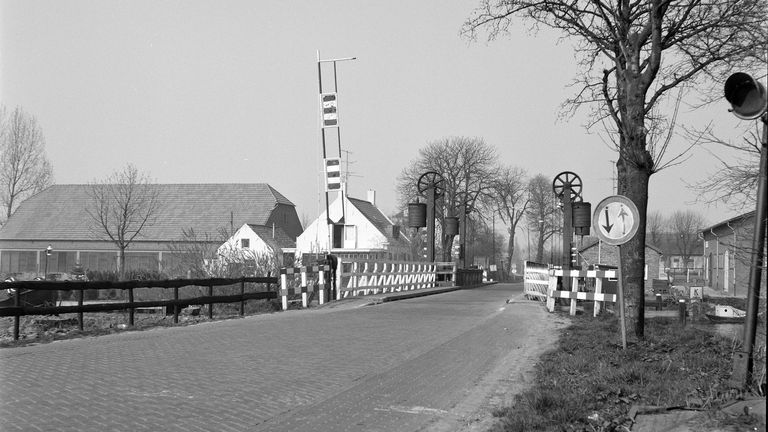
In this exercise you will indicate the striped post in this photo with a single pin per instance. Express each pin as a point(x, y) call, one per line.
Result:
point(284, 289)
point(321, 286)
point(303, 287)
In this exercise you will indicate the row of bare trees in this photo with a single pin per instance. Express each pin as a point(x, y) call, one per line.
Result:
point(474, 182)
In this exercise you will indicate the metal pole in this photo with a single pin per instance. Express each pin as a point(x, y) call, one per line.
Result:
point(431, 223)
point(742, 361)
point(620, 292)
point(567, 237)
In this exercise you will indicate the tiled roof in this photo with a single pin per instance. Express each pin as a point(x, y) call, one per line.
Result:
point(280, 239)
point(59, 212)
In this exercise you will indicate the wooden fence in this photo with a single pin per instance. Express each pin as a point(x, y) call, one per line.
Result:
point(18, 287)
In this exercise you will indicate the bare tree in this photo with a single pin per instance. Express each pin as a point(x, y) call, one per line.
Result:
point(510, 200)
point(655, 226)
point(121, 207)
point(24, 167)
point(650, 49)
point(735, 183)
point(467, 166)
point(685, 226)
point(542, 213)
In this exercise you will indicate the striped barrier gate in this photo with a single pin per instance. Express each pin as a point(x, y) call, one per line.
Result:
point(304, 290)
point(598, 297)
point(536, 280)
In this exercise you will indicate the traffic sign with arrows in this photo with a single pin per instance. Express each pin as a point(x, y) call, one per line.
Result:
point(615, 220)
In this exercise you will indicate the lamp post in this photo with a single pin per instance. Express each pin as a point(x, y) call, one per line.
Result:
point(48, 252)
point(749, 101)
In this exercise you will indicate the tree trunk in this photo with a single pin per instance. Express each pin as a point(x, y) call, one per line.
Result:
point(121, 264)
point(635, 187)
point(510, 249)
point(540, 248)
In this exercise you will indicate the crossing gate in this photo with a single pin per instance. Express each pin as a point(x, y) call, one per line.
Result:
point(536, 280)
point(598, 296)
point(364, 277)
point(288, 281)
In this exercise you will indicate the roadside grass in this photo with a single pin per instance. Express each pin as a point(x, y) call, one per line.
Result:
point(588, 383)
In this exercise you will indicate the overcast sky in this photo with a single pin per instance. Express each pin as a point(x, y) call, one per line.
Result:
point(227, 92)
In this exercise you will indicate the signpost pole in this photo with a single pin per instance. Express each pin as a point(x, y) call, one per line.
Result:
point(620, 292)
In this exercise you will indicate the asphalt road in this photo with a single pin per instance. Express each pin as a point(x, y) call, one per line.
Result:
point(437, 363)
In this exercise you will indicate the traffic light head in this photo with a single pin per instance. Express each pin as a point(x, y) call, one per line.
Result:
point(746, 95)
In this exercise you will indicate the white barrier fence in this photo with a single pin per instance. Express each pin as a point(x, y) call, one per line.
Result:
point(366, 277)
point(598, 296)
point(288, 288)
point(535, 280)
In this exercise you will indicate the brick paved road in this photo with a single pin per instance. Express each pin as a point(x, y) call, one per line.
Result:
point(419, 364)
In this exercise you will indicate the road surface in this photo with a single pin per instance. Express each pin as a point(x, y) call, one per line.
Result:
point(436, 363)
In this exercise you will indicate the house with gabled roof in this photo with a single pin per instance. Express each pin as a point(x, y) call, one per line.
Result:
point(57, 216)
point(250, 241)
point(364, 233)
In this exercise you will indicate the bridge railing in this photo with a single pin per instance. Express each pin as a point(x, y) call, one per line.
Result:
point(374, 277)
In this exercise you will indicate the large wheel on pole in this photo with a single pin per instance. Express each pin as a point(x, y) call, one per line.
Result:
point(431, 179)
point(567, 179)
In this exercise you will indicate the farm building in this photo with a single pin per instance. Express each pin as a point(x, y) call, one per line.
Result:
point(58, 217)
point(728, 253)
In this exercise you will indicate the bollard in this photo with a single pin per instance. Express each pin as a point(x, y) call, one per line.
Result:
point(682, 312)
point(659, 304)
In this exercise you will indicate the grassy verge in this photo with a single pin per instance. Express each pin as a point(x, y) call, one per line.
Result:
point(589, 383)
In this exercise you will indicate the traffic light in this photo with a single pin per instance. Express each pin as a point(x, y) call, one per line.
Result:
point(574, 255)
point(746, 95)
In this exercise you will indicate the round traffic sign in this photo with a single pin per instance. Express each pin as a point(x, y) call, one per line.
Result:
point(615, 220)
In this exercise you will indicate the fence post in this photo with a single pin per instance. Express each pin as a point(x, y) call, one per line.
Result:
point(80, 314)
point(339, 271)
point(303, 287)
point(321, 286)
point(682, 312)
point(210, 305)
point(598, 290)
point(242, 293)
point(284, 289)
point(176, 305)
point(574, 289)
point(131, 310)
point(551, 293)
point(16, 318)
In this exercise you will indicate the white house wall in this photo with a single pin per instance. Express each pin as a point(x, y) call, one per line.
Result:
point(315, 238)
point(256, 244)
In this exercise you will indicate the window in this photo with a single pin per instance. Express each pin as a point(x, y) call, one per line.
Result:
point(245, 243)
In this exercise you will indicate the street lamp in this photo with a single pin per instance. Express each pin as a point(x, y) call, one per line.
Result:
point(48, 252)
point(749, 101)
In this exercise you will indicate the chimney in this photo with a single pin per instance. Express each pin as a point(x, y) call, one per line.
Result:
point(396, 231)
point(372, 196)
